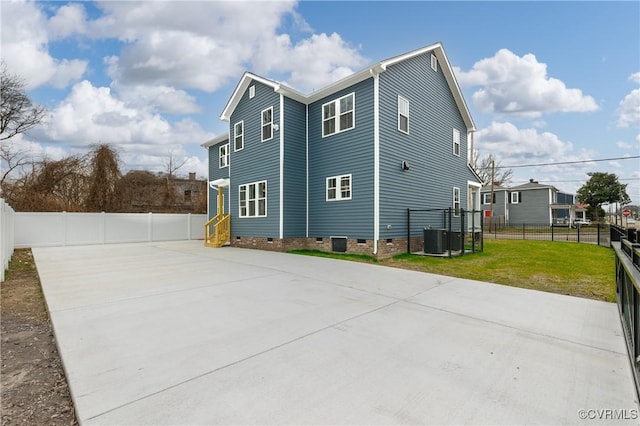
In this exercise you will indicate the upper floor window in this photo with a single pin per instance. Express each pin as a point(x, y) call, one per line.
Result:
point(516, 197)
point(403, 114)
point(238, 136)
point(339, 188)
point(252, 91)
point(456, 142)
point(267, 124)
point(456, 201)
point(434, 62)
point(224, 155)
point(338, 115)
point(486, 198)
point(253, 199)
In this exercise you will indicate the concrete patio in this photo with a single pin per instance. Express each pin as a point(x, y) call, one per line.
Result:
point(175, 333)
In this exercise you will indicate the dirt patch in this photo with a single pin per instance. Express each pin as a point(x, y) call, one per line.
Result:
point(33, 386)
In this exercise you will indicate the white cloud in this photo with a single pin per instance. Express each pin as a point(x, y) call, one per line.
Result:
point(312, 63)
point(519, 86)
point(25, 47)
point(69, 19)
point(635, 77)
point(629, 110)
point(205, 45)
point(92, 115)
point(508, 141)
point(623, 145)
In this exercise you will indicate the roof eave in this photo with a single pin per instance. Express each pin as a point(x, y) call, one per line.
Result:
point(220, 138)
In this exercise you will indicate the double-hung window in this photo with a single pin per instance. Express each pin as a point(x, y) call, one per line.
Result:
point(486, 198)
point(403, 114)
point(434, 62)
point(338, 115)
point(238, 136)
point(267, 124)
point(456, 201)
point(253, 199)
point(456, 142)
point(224, 155)
point(516, 197)
point(339, 188)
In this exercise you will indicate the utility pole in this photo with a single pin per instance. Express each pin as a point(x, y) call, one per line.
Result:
point(493, 177)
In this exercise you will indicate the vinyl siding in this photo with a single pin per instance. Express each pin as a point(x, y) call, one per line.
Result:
point(428, 148)
point(533, 209)
point(215, 172)
point(500, 206)
point(258, 161)
point(348, 152)
point(295, 171)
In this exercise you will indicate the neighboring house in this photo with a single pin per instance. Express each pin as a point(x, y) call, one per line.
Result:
point(498, 206)
point(337, 169)
point(144, 191)
point(532, 203)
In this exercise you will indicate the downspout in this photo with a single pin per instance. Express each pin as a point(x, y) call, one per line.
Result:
point(376, 161)
point(281, 130)
point(307, 167)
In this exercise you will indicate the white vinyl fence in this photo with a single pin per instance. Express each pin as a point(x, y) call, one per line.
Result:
point(6, 236)
point(62, 229)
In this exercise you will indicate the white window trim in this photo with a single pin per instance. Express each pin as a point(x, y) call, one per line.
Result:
point(400, 99)
point(456, 142)
point(256, 199)
point(339, 196)
point(263, 124)
point(434, 62)
point(456, 194)
point(224, 157)
point(235, 126)
point(252, 91)
point(486, 198)
point(517, 198)
point(338, 113)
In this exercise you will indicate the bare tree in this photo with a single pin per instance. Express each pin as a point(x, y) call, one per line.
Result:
point(172, 165)
point(17, 113)
point(11, 158)
point(488, 167)
point(104, 177)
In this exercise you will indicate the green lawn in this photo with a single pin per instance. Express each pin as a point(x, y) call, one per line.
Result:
point(582, 270)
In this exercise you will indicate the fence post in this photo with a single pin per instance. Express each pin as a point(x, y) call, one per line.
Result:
point(552, 232)
point(473, 231)
point(579, 226)
point(189, 226)
point(103, 228)
point(64, 228)
point(449, 239)
point(150, 227)
point(598, 225)
point(408, 230)
point(523, 232)
point(462, 233)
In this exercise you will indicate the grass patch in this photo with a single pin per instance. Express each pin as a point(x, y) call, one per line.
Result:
point(582, 270)
point(343, 256)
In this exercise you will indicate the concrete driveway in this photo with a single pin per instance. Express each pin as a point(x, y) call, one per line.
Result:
point(175, 333)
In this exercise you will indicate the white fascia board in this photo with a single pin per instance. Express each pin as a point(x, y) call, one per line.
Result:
point(475, 174)
point(244, 82)
point(220, 138)
point(438, 50)
point(345, 83)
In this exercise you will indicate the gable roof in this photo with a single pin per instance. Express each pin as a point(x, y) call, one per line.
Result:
point(533, 185)
point(352, 79)
point(220, 138)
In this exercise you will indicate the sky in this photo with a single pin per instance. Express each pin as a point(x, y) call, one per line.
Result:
point(545, 82)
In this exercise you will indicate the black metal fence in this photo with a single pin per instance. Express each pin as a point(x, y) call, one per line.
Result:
point(444, 232)
point(593, 234)
point(628, 292)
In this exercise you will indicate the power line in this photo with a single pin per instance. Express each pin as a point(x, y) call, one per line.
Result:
point(566, 162)
point(563, 181)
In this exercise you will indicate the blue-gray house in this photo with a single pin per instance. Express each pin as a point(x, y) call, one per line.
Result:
point(338, 168)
